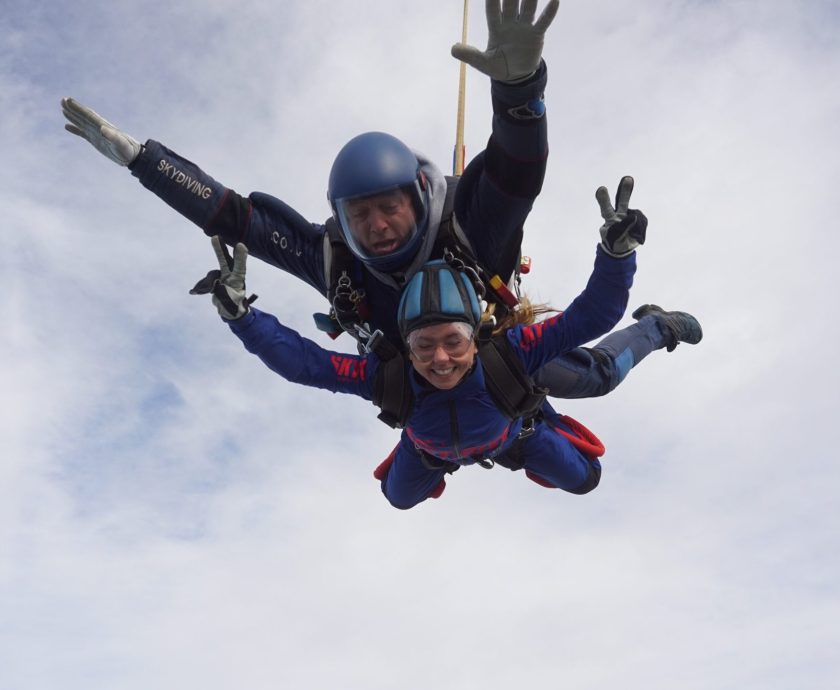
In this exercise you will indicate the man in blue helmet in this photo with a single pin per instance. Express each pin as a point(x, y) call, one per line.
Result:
point(494, 195)
point(385, 229)
point(376, 179)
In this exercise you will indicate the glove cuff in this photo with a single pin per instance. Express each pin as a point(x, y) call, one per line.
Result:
point(613, 254)
point(507, 94)
point(518, 80)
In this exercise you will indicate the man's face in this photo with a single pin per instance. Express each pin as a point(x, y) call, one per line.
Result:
point(381, 223)
point(442, 353)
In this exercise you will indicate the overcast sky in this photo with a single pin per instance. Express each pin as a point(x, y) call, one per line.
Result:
point(173, 515)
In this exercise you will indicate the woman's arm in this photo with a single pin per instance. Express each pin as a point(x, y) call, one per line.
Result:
point(594, 312)
point(299, 360)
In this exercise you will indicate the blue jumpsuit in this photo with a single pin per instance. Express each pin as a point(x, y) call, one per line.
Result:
point(464, 424)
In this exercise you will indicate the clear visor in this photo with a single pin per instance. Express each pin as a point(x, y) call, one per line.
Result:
point(380, 225)
point(423, 345)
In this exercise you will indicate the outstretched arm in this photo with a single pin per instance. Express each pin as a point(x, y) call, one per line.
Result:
point(299, 360)
point(273, 231)
point(602, 303)
point(280, 348)
point(498, 187)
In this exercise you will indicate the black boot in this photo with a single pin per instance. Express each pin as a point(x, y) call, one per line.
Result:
point(676, 326)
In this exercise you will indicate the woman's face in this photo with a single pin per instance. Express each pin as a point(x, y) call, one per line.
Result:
point(443, 353)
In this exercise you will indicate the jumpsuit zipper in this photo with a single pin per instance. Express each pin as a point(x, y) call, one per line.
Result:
point(453, 429)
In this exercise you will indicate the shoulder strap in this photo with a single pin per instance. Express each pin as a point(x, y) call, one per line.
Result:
point(339, 262)
point(449, 234)
point(337, 256)
point(501, 280)
point(508, 383)
point(392, 391)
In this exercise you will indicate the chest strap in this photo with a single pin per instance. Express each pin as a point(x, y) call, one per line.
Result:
point(512, 389)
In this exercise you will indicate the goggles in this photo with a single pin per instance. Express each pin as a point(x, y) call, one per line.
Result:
point(454, 344)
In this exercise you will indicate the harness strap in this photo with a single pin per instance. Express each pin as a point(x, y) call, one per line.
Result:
point(392, 391)
point(508, 382)
point(430, 462)
point(339, 262)
point(452, 243)
point(580, 437)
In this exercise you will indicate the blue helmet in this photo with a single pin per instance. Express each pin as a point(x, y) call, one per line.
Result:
point(437, 294)
point(378, 167)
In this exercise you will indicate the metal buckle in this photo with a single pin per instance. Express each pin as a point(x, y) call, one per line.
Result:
point(528, 427)
point(366, 338)
point(472, 273)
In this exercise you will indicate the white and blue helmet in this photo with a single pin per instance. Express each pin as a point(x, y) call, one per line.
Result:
point(437, 293)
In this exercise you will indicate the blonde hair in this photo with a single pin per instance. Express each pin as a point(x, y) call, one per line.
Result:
point(524, 315)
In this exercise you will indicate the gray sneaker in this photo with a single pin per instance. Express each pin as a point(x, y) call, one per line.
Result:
point(677, 326)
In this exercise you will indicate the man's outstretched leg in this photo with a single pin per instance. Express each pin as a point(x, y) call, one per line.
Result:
point(591, 372)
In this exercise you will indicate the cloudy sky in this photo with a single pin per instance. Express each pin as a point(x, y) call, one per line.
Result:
point(172, 515)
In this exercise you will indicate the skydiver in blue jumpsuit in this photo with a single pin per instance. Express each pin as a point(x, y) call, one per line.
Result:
point(455, 420)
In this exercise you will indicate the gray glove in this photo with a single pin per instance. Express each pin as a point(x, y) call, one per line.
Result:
point(514, 41)
point(228, 283)
point(623, 229)
point(105, 138)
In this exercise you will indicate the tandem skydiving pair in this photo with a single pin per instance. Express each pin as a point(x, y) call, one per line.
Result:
point(393, 212)
point(464, 387)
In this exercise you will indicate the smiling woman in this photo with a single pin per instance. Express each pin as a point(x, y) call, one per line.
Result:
point(454, 415)
point(438, 316)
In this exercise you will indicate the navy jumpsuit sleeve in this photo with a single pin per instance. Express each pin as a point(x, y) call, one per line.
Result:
point(499, 186)
point(272, 230)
